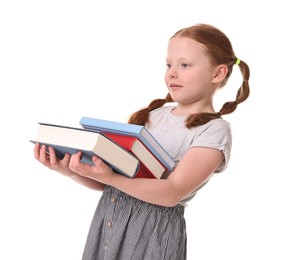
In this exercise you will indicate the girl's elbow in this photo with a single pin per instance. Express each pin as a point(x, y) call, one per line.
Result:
point(173, 201)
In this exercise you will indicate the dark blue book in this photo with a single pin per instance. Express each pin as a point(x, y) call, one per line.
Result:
point(138, 131)
point(70, 140)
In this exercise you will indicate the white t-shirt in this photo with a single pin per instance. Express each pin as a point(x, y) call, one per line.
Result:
point(176, 139)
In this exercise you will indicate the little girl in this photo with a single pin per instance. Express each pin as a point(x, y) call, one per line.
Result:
point(143, 219)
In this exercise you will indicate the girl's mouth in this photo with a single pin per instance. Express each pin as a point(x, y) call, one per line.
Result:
point(175, 86)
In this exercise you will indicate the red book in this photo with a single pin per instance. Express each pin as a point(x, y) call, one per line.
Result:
point(150, 166)
point(139, 131)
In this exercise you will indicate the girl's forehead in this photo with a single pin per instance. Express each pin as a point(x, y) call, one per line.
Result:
point(183, 46)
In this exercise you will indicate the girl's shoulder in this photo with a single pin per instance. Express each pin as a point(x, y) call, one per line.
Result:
point(217, 123)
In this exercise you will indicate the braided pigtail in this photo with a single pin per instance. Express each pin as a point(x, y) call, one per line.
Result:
point(228, 107)
point(242, 93)
point(200, 119)
point(141, 117)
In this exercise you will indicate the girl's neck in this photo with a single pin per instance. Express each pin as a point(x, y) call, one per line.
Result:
point(185, 110)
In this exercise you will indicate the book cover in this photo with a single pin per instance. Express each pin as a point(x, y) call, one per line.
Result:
point(134, 145)
point(70, 140)
point(107, 126)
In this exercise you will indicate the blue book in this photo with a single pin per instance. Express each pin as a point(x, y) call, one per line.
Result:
point(138, 131)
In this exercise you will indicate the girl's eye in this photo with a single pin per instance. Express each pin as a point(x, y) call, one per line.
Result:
point(168, 66)
point(185, 65)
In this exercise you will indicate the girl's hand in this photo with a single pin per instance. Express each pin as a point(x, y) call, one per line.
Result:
point(100, 172)
point(50, 160)
point(62, 166)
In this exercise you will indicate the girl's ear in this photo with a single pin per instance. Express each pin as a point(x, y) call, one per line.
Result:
point(220, 73)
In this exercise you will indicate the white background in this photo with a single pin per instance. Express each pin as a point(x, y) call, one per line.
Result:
point(61, 60)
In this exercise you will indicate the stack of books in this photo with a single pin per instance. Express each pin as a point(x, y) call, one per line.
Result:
point(129, 149)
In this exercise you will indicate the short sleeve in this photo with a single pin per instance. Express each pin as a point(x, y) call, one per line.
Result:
point(216, 134)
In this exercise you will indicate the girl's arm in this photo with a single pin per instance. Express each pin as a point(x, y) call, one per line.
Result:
point(50, 160)
point(194, 169)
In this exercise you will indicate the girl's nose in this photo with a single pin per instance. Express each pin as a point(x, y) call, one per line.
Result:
point(172, 73)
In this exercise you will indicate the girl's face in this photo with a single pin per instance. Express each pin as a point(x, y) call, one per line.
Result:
point(190, 75)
